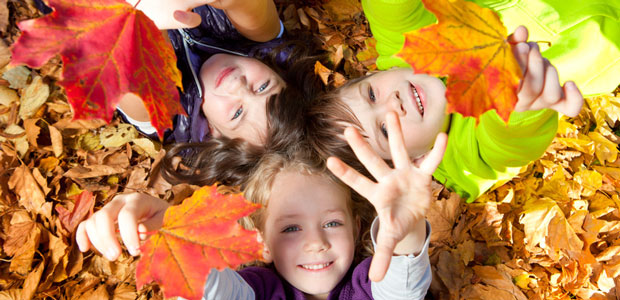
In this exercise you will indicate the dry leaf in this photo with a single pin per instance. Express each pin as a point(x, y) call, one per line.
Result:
point(56, 138)
point(118, 136)
point(93, 171)
point(35, 94)
point(17, 77)
point(8, 96)
point(30, 195)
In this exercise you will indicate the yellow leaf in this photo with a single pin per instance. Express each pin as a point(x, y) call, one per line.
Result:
point(322, 71)
point(590, 181)
point(49, 163)
point(546, 226)
point(118, 136)
point(605, 150)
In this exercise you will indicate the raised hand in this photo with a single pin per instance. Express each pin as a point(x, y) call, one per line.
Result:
point(401, 195)
point(540, 87)
point(136, 214)
point(171, 14)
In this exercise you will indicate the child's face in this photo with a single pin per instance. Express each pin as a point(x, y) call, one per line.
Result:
point(236, 90)
point(309, 231)
point(395, 90)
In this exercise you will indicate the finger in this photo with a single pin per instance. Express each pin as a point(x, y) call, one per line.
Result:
point(433, 158)
point(366, 155)
point(102, 230)
point(81, 238)
point(573, 103)
point(521, 52)
point(188, 19)
point(351, 177)
point(400, 157)
point(128, 227)
point(533, 80)
point(384, 250)
point(552, 91)
point(519, 35)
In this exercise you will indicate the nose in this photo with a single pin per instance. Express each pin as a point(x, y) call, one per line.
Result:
point(316, 241)
point(394, 103)
point(238, 86)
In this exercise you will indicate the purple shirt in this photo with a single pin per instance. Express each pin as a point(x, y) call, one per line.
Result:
point(268, 284)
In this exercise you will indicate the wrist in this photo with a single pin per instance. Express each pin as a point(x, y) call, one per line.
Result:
point(413, 242)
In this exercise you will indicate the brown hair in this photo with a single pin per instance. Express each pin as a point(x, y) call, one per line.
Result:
point(229, 161)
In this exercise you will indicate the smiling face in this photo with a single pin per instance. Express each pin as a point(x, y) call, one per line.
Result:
point(309, 231)
point(418, 99)
point(235, 93)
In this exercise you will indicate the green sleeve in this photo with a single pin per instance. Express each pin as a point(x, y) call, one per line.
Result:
point(479, 156)
point(388, 20)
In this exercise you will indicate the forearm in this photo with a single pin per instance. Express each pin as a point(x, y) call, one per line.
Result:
point(414, 241)
point(256, 20)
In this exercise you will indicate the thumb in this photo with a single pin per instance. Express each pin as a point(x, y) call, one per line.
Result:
point(188, 19)
point(384, 250)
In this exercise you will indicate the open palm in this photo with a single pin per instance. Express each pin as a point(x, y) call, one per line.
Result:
point(401, 195)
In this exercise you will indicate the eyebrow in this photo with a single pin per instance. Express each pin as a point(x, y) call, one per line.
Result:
point(295, 216)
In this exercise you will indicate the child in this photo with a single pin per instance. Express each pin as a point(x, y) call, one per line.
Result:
point(477, 156)
point(229, 70)
point(310, 223)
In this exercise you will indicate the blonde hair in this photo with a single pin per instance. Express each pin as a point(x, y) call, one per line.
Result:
point(258, 189)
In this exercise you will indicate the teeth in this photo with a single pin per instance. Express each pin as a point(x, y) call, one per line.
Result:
point(315, 267)
point(417, 99)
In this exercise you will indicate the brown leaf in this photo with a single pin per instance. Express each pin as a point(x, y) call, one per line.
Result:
point(34, 96)
point(491, 276)
point(32, 131)
point(32, 281)
point(23, 254)
point(93, 171)
point(30, 195)
point(83, 207)
point(5, 54)
point(56, 138)
point(322, 71)
point(442, 216)
point(342, 10)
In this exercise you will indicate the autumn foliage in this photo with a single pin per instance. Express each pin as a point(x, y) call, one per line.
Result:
point(200, 234)
point(108, 49)
point(551, 233)
point(468, 45)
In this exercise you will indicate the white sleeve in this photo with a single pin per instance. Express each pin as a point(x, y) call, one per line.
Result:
point(227, 284)
point(408, 276)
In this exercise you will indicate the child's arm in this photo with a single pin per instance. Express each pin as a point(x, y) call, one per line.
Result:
point(135, 213)
point(257, 20)
point(401, 196)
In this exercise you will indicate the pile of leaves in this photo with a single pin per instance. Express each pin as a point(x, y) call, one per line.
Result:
point(550, 233)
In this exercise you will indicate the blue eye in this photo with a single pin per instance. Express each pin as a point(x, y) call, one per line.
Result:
point(371, 94)
point(291, 228)
point(332, 224)
point(263, 87)
point(238, 113)
point(384, 130)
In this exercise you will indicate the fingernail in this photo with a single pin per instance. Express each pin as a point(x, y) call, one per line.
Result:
point(523, 48)
point(111, 254)
point(134, 251)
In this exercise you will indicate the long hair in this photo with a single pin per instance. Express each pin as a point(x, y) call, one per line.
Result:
point(229, 161)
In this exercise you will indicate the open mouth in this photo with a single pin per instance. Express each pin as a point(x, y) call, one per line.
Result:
point(417, 99)
point(316, 267)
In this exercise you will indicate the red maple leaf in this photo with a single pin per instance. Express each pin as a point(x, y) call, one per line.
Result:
point(108, 49)
point(200, 234)
point(469, 45)
point(83, 207)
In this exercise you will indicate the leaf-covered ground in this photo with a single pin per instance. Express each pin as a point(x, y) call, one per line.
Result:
point(551, 233)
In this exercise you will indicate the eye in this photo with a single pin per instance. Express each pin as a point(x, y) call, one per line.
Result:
point(291, 228)
point(332, 224)
point(238, 113)
point(384, 130)
point(371, 94)
point(263, 87)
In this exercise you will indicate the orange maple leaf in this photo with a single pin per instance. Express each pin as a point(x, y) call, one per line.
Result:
point(108, 49)
point(469, 45)
point(200, 234)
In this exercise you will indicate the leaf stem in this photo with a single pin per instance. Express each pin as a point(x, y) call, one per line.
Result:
point(135, 6)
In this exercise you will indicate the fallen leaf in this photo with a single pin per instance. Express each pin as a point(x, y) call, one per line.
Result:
point(322, 71)
point(17, 77)
point(20, 141)
point(200, 234)
point(32, 281)
point(8, 96)
point(468, 45)
point(56, 138)
point(30, 195)
point(118, 135)
point(83, 207)
point(108, 49)
point(35, 94)
point(92, 171)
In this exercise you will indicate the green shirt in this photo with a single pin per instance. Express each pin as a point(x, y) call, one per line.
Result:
point(477, 157)
point(584, 35)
